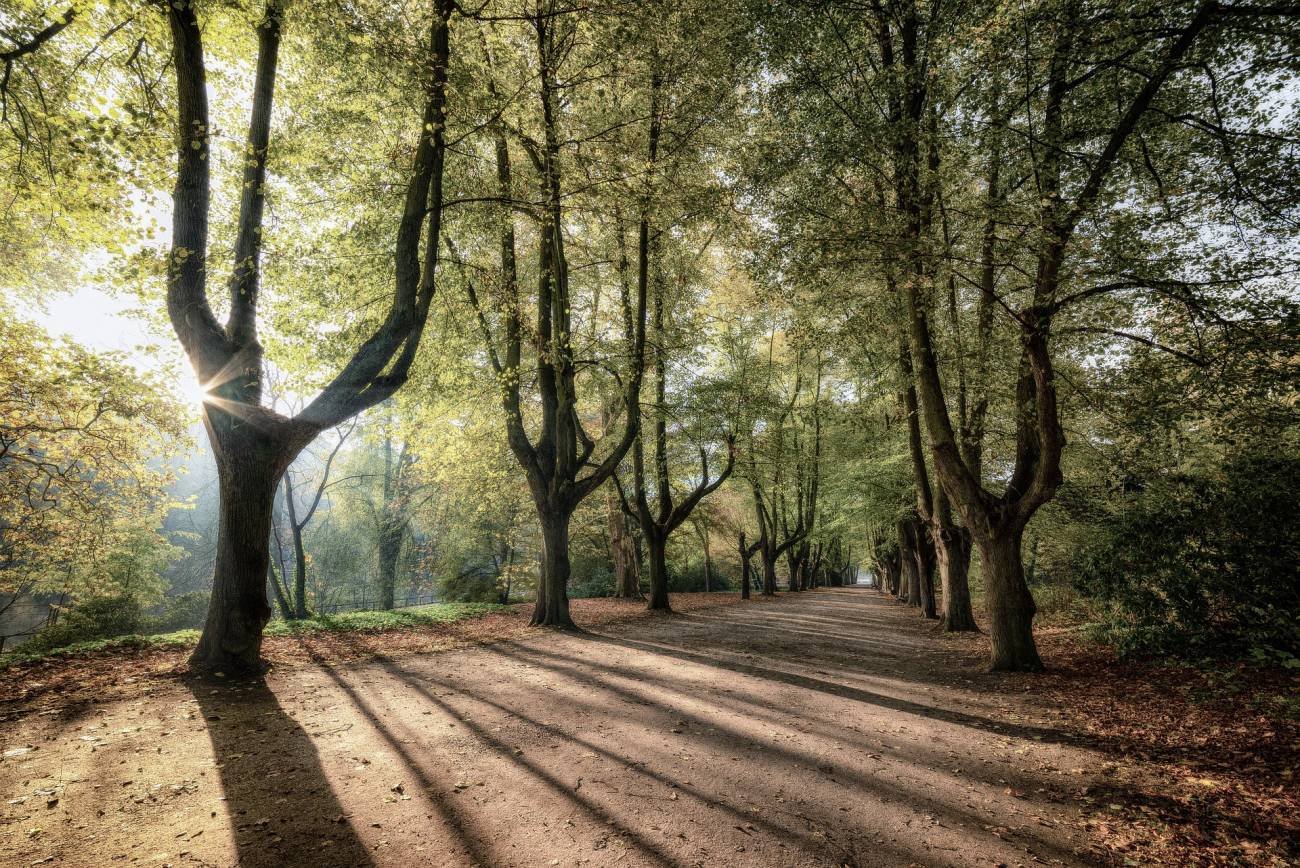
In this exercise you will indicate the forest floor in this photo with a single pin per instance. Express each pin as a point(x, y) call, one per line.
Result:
point(828, 728)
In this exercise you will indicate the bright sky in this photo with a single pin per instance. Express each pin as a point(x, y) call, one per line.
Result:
point(102, 321)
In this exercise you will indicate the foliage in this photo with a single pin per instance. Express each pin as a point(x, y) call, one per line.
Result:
point(1202, 563)
point(80, 484)
point(400, 619)
point(181, 612)
point(98, 618)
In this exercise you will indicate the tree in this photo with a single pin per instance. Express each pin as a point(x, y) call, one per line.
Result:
point(657, 524)
point(555, 459)
point(297, 520)
point(253, 444)
point(78, 431)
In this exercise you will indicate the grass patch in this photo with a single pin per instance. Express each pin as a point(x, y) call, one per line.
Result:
point(133, 642)
point(344, 622)
point(400, 619)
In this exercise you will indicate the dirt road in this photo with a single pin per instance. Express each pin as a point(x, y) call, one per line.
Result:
point(829, 728)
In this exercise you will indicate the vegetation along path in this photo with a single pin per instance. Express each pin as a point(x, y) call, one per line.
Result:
point(828, 728)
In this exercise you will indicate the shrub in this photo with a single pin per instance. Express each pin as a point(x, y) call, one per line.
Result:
point(181, 612)
point(472, 586)
point(596, 580)
point(1203, 563)
point(95, 618)
point(691, 579)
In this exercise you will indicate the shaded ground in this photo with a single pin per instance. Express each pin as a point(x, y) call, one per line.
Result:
point(828, 728)
point(60, 682)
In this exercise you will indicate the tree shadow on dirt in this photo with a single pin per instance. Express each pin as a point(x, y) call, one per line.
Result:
point(707, 729)
point(476, 845)
point(282, 808)
point(995, 727)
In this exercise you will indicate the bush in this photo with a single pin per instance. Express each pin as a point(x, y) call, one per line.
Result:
point(95, 618)
point(596, 580)
point(691, 579)
point(1203, 564)
point(181, 612)
point(473, 586)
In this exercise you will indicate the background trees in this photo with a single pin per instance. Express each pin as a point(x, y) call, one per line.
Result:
point(983, 295)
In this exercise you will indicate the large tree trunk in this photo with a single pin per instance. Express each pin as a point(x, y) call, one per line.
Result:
point(769, 574)
point(1010, 605)
point(552, 608)
point(954, 569)
point(745, 569)
point(248, 471)
point(390, 549)
point(656, 550)
point(622, 546)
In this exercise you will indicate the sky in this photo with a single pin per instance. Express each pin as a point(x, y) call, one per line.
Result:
point(105, 321)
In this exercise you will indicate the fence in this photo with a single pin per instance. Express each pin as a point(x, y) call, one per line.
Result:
point(364, 602)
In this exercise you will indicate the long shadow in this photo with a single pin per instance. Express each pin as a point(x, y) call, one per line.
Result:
point(279, 800)
point(649, 849)
point(706, 729)
point(412, 679)
point(881, 853)
point(477, 848)
point(858, 694)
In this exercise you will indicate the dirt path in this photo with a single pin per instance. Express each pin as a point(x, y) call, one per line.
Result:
point(830, 728)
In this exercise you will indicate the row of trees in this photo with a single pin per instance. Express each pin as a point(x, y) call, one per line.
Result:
point(879, 277)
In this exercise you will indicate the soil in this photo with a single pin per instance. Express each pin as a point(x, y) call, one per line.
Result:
point(825, 728)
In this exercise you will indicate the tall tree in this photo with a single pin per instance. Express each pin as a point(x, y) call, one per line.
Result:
point(253, 444)
point(555, 459)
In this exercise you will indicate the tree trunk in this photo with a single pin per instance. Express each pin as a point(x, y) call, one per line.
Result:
point(622, 549)
point(658, 556)
point(552, 608)
point(286, 611)
point(299, 575)
point(769, 574)
point(792, 563)
point(248, 472)
point(708, 563)
point(909, 591)
point(925, 559)
point(1010, 605)
point(504, 599)
point(954, 570)
point(745, 569)
point(390, 549)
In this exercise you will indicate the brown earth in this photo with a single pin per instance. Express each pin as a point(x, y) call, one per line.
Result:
point(827, 728)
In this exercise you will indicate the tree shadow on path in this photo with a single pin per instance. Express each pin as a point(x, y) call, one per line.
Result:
point(282, 808)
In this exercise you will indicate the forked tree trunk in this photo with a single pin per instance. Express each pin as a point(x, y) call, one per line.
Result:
point(657, 558)
point(552, 607)
point(248, 470)
point(1010, 605)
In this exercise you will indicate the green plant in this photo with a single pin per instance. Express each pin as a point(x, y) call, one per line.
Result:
point(1202, 563)
point(96, 618)
point(181, 612)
